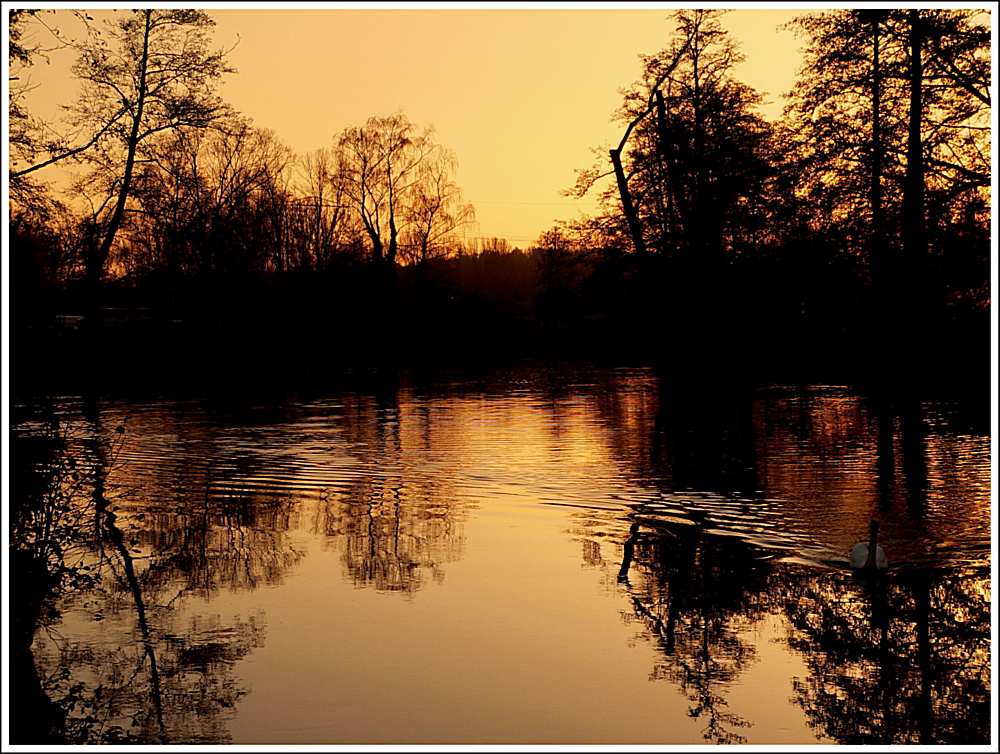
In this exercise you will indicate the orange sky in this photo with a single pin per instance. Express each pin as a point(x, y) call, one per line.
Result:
point(520, 95)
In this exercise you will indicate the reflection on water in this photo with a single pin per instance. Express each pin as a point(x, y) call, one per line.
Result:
point(393, 524)
point(903, 660)
point(228, 570)
point(697, 596)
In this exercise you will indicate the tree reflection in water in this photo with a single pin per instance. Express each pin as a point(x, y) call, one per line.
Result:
point(396, 525)
point(142, 671)
point(905, 661)
point(899, 659)
point(696, 595)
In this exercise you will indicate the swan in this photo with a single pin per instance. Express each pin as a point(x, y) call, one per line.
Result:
point(869, 555)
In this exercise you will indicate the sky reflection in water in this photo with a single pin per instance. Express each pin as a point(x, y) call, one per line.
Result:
point(445, 564)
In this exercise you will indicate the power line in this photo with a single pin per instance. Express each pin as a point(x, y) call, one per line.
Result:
point(557, 204)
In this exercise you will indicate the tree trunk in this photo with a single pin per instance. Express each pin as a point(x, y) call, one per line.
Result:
point(106, 523)
point(393, 244)
point(697, 231)
point(391, 255)
point(877, 250)
point(96, 268)
point(634, 227)
point(628, 552)
point(376, 240)
point(922, 589)
point(914, 239)
point(885, 342)
point(118, 540)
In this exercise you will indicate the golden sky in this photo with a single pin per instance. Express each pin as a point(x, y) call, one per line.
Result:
point(520, 95)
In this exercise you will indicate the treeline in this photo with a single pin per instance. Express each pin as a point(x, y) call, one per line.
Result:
point(854, 231)
point(232, 200)
point(180, 184)
point(860, 219)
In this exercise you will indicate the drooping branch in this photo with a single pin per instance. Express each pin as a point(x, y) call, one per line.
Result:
point(651, 100)
point(628, 206)
point(631, 216)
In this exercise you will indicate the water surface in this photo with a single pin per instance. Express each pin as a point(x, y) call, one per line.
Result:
point(532, 556)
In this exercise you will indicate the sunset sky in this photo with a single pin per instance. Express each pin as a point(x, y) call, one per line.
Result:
point(520, 95)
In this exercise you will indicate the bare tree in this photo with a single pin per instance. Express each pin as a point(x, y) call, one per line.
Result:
point(436, 211)
point(323, 197)
point(147, 72)
point(208, 201)
point(381, 162)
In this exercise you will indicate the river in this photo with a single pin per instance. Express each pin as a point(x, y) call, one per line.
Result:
point(526, 555)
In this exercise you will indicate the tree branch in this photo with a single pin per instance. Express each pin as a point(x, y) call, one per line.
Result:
point(75, 150)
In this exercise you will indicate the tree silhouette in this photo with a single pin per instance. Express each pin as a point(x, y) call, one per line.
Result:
point(697, 166)
point(149, 72)
point(910, 127)
point(382, 160)
point(436, 212)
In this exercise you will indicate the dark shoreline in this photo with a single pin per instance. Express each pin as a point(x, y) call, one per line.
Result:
point(178, 359)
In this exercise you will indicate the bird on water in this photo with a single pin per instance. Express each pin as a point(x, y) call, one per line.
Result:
point(869, 556)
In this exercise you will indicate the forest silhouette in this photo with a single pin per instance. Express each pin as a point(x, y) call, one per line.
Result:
point(848, 240)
